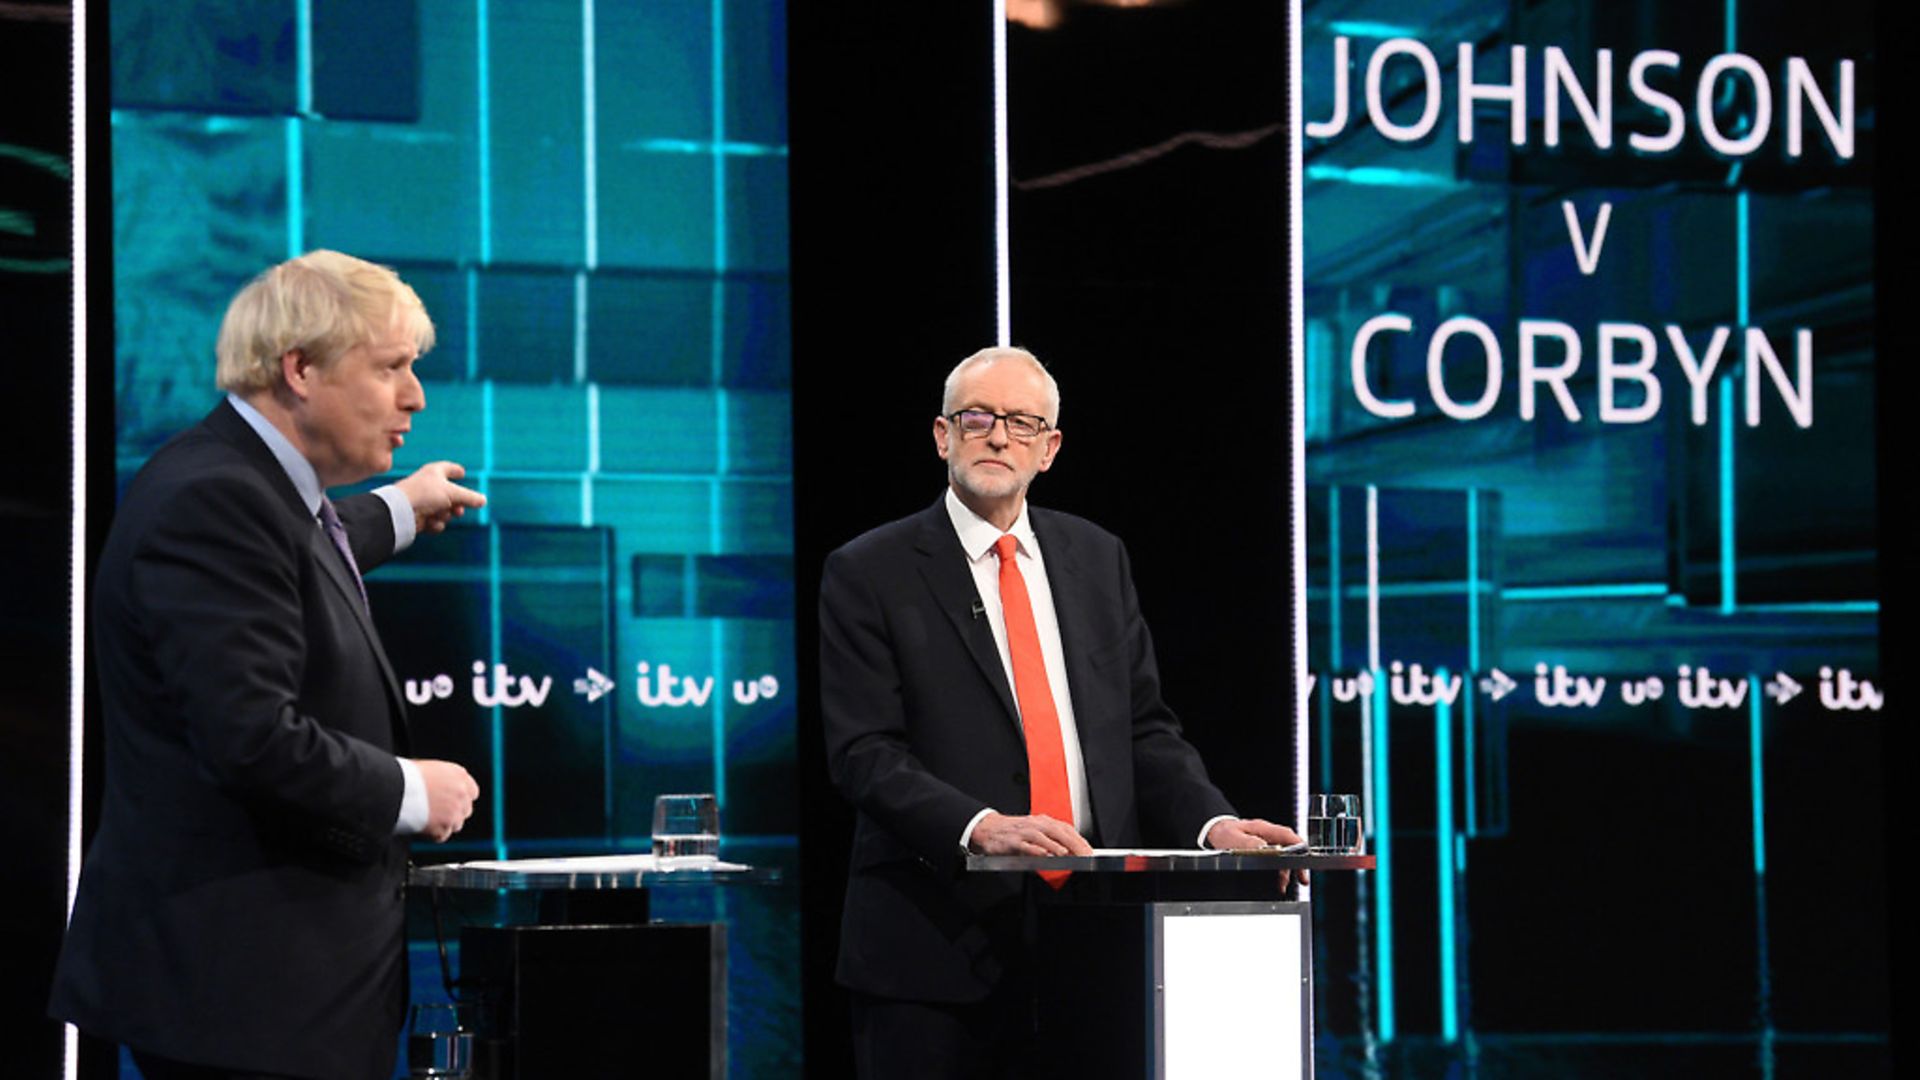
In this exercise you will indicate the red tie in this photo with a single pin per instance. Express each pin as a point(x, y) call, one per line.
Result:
point(1046, 751)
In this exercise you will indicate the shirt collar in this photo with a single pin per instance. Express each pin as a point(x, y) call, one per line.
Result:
point(977, 534)
point(298, 469)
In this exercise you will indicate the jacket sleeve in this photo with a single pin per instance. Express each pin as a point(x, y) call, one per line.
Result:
point(869, 753)
point(369, 524)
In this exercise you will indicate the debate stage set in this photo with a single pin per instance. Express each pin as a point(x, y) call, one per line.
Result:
point(1488, 396)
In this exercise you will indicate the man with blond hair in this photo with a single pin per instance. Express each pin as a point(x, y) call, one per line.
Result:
point(988, 686)
point(239, 912)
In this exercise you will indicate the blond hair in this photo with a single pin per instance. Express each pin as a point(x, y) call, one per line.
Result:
point(320, 304)
point(994, 354)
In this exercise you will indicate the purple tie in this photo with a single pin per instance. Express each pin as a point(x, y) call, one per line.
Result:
point(336, 532)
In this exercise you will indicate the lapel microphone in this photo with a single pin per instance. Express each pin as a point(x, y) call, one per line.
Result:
point(979, 607)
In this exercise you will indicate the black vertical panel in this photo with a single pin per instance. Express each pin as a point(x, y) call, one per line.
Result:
point(35, 292)
point(1151, 271)
point(890, 109)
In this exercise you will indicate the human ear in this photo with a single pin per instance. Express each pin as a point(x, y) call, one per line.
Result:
point(1053, 448)
point(297, 372)
point(940, 429)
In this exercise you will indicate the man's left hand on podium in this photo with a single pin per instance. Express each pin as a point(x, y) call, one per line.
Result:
point(1239, 834)
point(1235, 834)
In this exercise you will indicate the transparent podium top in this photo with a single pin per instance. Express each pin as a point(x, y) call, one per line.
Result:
point(643, 871)
point(1193, 861)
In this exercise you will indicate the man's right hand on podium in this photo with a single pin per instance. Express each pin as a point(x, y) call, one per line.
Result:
point(1036, 834)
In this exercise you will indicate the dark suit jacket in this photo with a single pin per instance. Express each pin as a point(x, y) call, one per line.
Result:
point(241, 903)
point(922, 734)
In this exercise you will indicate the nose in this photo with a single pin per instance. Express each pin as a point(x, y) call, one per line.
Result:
point(998, 435)
point(413, 396)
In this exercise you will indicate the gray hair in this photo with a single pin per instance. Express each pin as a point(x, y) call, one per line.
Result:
point(323, 304)
point(994, 354)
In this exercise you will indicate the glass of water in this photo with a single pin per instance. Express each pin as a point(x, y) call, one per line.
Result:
point(685, 826)
point(1334, 825)
point(439, 1041)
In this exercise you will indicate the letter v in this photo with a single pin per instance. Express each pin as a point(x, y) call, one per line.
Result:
point(1588, 256)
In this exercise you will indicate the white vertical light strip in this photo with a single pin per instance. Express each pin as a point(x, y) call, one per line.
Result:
point(1373, 578)
point(1366, 759)
point(77, 494)
point(1367, 701)
point(591, 137)
point(1297, 418)
point(1002, 257)
point(1379, 789)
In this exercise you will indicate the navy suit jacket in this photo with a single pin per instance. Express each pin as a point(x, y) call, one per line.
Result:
point(241, 903)
point(922, 734)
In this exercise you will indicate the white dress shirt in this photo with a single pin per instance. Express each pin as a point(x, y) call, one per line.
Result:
point(977, 538)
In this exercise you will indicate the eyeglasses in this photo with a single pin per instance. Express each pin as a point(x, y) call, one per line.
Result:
point(978, 423)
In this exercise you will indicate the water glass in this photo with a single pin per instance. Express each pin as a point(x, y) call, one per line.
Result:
point(685, 825)
point(1334, 825)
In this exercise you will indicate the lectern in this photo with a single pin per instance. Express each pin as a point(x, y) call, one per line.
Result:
point(1173, 965)
point(594, 988)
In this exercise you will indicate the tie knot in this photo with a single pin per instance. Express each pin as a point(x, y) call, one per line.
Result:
point(328, 516)
point(1005, 547)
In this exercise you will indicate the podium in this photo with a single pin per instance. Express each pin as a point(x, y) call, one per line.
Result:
point(1173, 964)
point(576, 992)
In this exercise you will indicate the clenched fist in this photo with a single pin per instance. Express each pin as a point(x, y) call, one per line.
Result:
point(450, 794)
